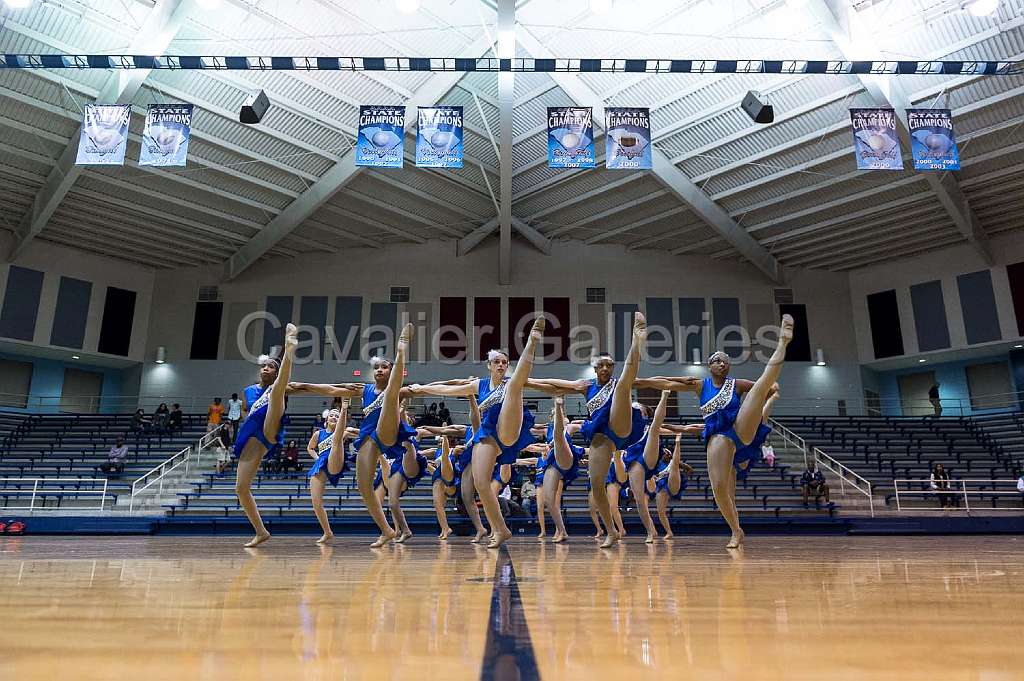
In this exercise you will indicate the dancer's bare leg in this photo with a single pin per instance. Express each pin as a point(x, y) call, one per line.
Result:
point(616, 524)
point(440, 499)
point(540, 511)
point(600, 455)
point(563, 455)
point(411, 466)
point(510, 419)
point(723, 483)
point(317, 485)
point(390, 408)
point(662, 502)
point(620, 416)
point(594, 517)
point(652, 449)
point(247, 469)
point(752, 408)
point(485, 454)
point(638, 483)
point(550, 492)
point(469, 501)
point(396, 485)
point(366, 469)
point(275, 407)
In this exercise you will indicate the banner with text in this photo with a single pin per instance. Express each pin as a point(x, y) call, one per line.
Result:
point(104, 135)
point(570, 137)
point(439, 137)
point(381, 134)
point(875, 142)
point(165, 137)
point(628, 140)
point(932, 141)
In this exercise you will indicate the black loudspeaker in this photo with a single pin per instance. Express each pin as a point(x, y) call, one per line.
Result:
point(758, 108)
point(254, 108)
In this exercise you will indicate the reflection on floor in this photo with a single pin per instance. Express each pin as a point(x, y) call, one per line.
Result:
point(783, 608)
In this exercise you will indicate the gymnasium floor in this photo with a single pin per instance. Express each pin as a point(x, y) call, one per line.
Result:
point(188, 608)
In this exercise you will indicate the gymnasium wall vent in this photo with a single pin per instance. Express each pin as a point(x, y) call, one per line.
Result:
point(595, 295)
point(209, 294)
point(783, 296)
point(399, 294)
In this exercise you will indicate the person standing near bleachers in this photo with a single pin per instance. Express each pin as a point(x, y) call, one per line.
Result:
point(933, 397)
point(234, 415)
point(213, 414)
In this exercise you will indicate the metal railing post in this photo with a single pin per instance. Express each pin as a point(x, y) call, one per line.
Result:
point(967, 504)
point(896, 486)
point(32, 500)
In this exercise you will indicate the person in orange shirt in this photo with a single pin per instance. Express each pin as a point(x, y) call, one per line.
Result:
point(214, 414)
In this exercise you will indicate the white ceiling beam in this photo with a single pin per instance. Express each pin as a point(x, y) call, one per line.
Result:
point(677, 210)
point(474, 238)
point(586, 196)
point(408, 215)
point(608, 212)
point(539, 241)
point(158, 29)
point(340, 174)
point(845, 28)
point(372, 222)
point(672, 177)
point(506, 104)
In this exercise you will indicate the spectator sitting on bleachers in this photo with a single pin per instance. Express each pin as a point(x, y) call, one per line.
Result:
point(529, 493)
point(290, 458)
point(768, 454)
point(161, 418)
point(115, 459)
point(1020, 486)
point(213, 414)
point(174, 419)
point(443, 415)
point(509, 507)
point(939, 482)
point(812, 483)
point(140, 422)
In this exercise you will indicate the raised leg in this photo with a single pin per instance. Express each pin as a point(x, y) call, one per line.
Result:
point(275, 407)
point(600, 454)
point(620, 415)
point(484, 456)
point(550, 492)
point(440, 498)
point(723, 483)
point(752, 407)
point(248, 467)
point(510, 419)
point(469, 502)
point(396, 485)
point(390, 411)
point(638, 484)
point(662, 502)
point(317, 485)
point(675, 477)
point(366, 469)
point(652, 448)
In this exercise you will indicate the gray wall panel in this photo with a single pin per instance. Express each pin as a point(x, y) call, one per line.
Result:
point(348, 322)
point(71, 313)
point(661, 330)
point(21, 303)
point(930, 316)
point(978, 303)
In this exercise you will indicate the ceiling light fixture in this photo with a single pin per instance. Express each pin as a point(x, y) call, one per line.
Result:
point(921, 361)
point(75, 357)
point(981, 8)
point(407, 6)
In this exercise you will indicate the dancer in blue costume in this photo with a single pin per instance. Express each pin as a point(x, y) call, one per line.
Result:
point(614, 486)
point(672, 481)
point(382, 430)
point(444, 481)
point(545, 454)
point(613, 423)
point(729, 424)
point(563, 466)
point(327, 447)
point(504, 422)
point(261, 430)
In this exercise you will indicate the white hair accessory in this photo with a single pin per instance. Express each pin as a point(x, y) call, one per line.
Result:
point(493, 354)
point(600, 356)
point(718, 353)
point(267, 359)
point(377, 361)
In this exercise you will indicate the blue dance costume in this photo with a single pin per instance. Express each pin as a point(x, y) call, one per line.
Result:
point(466, 456)
point(398, 468)
point(489, 400)
point(258, 399)
point(662, 483)
point(573, 471)
point(635, 454)
point(324, 440)
point(496, 476)
point(750, 454)
point(437, 475)
point(542, 467)
point(599, 405)
point(372, 401)
point(719, 408)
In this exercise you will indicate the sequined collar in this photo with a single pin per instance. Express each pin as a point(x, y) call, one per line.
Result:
point(602, 396)
point(376, 404)
point(719, 401)
point(495, 397)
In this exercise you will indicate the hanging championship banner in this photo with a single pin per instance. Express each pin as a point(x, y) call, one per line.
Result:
point(439, 137)
point(570, 137)
point(381, 134)
point(628, 138)
point(875, 141)
point(104, 135)
point(932, 142)
point(165, 137)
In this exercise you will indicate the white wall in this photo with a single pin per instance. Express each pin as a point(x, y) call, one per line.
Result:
point(55, 262)
point(944, 265)
point(432, 271)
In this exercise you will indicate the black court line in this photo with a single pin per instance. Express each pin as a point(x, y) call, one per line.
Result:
point(508, 652)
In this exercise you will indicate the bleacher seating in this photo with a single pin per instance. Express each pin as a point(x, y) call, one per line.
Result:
point(884, 449)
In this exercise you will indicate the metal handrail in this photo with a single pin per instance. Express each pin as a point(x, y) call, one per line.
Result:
point(963, 491)
point(31, 508)
point(186, 456)
point(790, 437)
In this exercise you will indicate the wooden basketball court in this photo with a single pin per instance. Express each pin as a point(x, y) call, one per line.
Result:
point(783, 608)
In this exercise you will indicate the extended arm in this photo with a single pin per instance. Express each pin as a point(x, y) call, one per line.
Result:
point(557, 386)
point(311, 447)
point(474, 413)
point(443, 389)
point(328, 389)
point(674, 383)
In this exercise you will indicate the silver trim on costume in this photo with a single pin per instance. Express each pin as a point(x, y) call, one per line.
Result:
point(495, 397)
point(325, 444)
point(375, 405)
point(719, 401)
point(602, 396)
point(261, 401)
